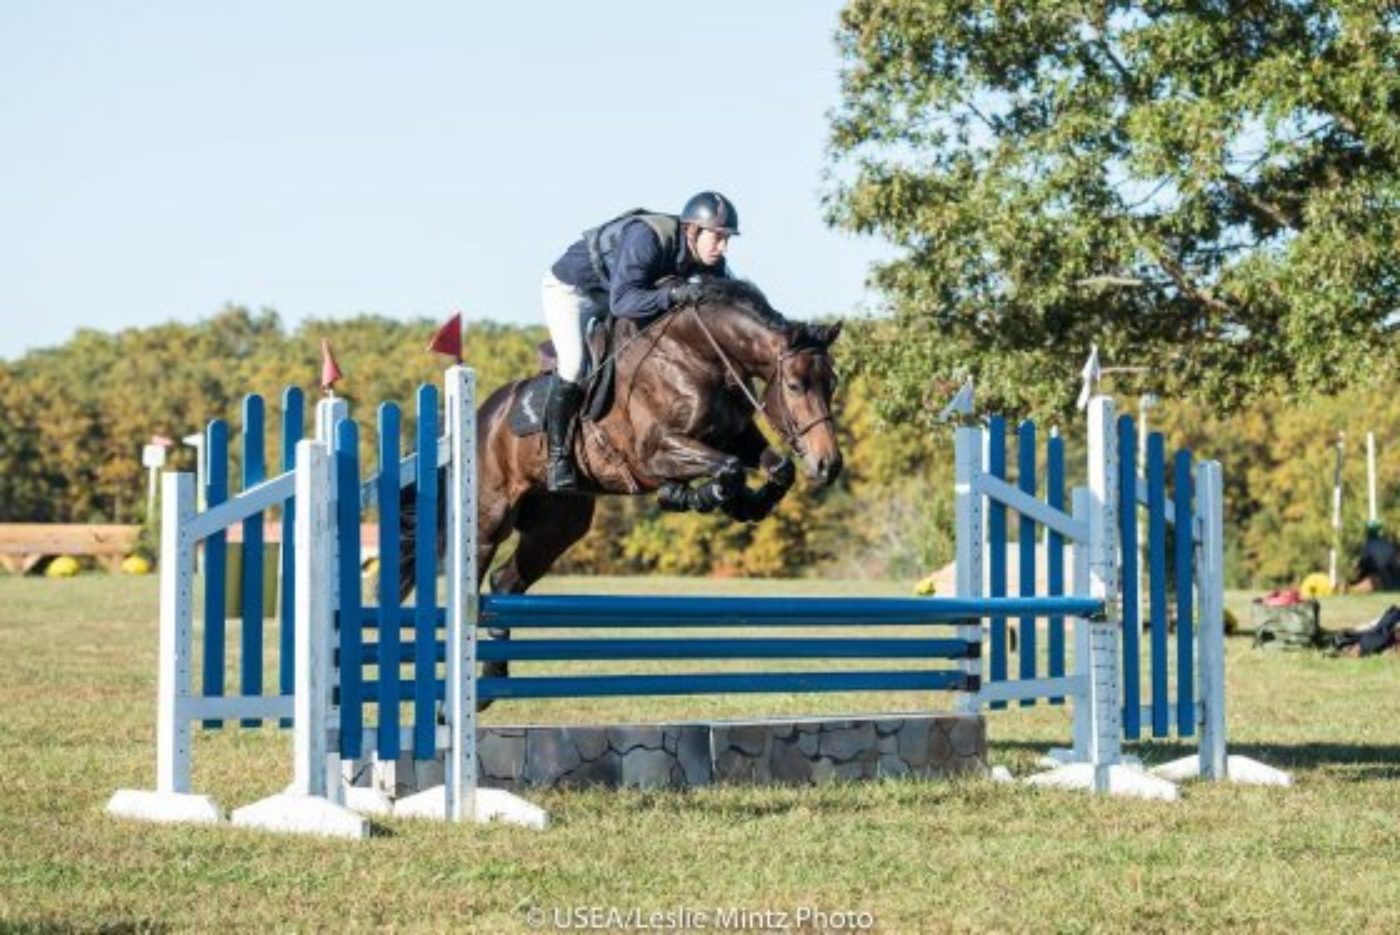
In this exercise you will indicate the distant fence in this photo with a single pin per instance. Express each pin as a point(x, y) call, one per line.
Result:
point(24, 545)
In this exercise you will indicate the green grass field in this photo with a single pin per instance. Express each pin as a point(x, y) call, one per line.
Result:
point(77, 696)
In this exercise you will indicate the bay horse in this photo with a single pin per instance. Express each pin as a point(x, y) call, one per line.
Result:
point(684, 409)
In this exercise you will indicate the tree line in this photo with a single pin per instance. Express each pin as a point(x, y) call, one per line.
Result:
point(1208, 191)
point(73, 420)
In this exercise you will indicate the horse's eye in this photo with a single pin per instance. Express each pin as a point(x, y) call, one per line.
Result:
point(794, 387)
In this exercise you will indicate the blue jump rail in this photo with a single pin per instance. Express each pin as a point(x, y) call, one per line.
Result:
point(613, 650)
point(701, 683)
point(520, 611)
point(574, 612)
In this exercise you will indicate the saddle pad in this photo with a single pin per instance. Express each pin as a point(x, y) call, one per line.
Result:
point(527, 411)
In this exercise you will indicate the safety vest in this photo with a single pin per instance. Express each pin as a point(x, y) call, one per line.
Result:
point(602, 240)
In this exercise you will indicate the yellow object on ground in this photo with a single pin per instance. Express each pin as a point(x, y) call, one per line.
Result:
point(925, 587)
point(65, 566)
point(136, 565)
point(1316, 584)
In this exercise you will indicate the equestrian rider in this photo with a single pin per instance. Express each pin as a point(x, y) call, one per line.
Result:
point(617, 267)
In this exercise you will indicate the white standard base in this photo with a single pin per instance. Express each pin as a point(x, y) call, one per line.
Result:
point(491, 805)
point(1065, 756)
point(368, 801)
point(1238, 769)
point(145, 805)
point(302, 814)
point(1119, 779)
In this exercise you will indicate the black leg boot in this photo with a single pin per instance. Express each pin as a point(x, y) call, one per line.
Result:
point(559, 412)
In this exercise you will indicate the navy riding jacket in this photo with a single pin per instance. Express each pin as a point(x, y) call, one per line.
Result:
point(637, 266)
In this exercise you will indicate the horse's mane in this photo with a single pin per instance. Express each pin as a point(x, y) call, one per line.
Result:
point(745, 298)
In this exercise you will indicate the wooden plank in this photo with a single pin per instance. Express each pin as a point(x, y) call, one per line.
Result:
point(29, 539)
point(21, 542)
point(21, 564)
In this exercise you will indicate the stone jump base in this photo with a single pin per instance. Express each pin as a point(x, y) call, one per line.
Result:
point(775, 751)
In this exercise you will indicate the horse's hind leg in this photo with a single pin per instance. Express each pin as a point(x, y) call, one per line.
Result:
point(493, 526)
point(408, 532)
point(548, 525)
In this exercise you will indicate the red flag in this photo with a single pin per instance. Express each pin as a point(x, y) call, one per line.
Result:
point(330, 370)
point(448, 339)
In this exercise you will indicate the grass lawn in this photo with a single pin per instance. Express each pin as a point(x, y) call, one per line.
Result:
point(77, 712)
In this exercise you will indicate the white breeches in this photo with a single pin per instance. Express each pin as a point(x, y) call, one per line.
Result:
point(568, 313)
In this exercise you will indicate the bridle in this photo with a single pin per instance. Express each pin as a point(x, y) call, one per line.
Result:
point(788, 432)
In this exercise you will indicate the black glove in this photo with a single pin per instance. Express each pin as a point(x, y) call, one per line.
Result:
point(686, 293)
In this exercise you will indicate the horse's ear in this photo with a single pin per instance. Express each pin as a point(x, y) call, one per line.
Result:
point(827, 334)
point(805, 335)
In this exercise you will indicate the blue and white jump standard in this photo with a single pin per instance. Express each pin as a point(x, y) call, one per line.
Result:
point(330, 643)
point(1101, 535)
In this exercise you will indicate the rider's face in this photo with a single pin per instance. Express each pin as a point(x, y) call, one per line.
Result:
point(710, 246)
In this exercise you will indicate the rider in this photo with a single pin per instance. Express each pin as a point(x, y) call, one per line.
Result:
point(617, 267)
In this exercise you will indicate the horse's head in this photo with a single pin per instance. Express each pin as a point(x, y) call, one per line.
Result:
point(793, 358)
point(798, 399)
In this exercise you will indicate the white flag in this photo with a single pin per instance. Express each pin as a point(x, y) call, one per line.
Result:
point(1090, 373)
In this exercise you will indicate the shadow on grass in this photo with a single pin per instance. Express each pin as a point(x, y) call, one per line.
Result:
point(1347, 762)
point(743, 801)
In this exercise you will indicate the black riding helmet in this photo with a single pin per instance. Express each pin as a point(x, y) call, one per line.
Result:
point(712, 211)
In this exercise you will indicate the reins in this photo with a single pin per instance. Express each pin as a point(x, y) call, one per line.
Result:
point(789, 434)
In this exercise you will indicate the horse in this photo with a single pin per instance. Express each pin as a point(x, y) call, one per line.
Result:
point(683, 409)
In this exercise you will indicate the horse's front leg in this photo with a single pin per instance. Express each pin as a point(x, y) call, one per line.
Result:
point(680, 460)
point(751, 506)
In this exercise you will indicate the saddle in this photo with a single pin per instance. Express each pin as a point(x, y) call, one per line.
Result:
point(604, 336)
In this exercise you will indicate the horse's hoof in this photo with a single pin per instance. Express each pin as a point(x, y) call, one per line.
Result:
point(496, 669)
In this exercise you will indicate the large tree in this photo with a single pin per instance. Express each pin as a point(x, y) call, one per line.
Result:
point(1208, 190)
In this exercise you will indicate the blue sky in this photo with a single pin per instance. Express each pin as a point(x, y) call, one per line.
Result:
point(162, 159)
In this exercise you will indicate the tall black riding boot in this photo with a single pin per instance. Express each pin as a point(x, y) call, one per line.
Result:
point(559, 412)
